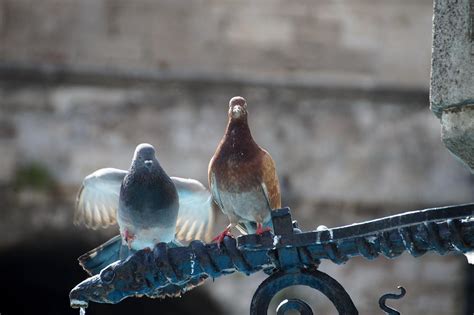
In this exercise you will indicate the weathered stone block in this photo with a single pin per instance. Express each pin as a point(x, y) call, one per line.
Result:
point(362, 43)
point(7, 160)
point(452, 75)
point(452, 66)
point(458, 132)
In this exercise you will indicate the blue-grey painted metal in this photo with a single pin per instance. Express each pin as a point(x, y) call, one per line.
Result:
point(294, 304)
point(288, 253)
point(312, 278)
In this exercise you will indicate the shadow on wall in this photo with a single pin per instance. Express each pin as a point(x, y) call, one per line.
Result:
point(38, 275)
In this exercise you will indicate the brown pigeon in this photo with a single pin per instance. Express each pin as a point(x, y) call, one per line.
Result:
point(242, 176)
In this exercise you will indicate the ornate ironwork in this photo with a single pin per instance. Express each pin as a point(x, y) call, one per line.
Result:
point(383, 299)
point(311, 278)
point(294, 304)
point(289, 256)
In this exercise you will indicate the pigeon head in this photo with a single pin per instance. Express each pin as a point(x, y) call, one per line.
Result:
point(237, 108)
point(144, 156)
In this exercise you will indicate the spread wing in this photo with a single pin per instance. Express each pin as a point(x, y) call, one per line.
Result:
point(196, 216)
point(98, 198)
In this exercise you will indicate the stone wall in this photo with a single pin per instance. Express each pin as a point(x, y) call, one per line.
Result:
point(337, 92)
point(362, 43)
point(343, 156)
point(452, 76)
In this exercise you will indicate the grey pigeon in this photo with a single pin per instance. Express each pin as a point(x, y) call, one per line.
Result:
point(148, 205)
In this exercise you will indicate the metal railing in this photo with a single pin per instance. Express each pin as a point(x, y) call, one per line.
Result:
point(289, 256)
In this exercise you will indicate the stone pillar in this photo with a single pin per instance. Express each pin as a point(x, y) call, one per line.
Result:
point(452, 75)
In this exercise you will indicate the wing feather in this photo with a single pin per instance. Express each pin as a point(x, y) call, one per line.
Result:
point(98, 198)
point(200, 232)
point(215, 191)
point(181, 230)
point(270, 185)
point(196, 216)
point(190, 235)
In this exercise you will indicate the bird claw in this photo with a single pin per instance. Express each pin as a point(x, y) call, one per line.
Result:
point(129, 238)
point(219, 239)
point(261, 230)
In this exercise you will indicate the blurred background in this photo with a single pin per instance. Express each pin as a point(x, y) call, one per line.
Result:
point(337, 93)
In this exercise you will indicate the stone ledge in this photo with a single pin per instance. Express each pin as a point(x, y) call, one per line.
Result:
point(452, 66)
point(452, 76)
point(457, 132)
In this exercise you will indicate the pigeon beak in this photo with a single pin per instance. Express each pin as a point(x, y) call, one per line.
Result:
point(148, 164)
point(237, 111)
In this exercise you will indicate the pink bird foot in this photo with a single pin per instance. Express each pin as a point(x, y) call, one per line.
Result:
point(261, 230)
point(220, 237)
point(129, 237)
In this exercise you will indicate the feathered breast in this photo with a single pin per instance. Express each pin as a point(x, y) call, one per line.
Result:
point(238, 161)
point(153, 190)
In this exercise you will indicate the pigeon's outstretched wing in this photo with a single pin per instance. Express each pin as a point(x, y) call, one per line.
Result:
point(98, 198)
point(196, 215)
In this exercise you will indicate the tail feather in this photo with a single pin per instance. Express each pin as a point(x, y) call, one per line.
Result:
point(100, 257)
point(250, 227)
point(175, 243)
point(111, 251)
